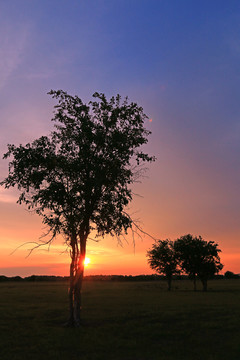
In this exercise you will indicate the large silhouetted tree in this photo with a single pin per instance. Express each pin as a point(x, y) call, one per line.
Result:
point(198, 258)
point(162, 258)
point(78, 178)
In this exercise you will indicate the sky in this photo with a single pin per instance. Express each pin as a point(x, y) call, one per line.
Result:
point(179, 60)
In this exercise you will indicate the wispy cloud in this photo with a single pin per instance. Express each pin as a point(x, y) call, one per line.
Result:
point(234, 45)
point(12, 45)
point(8, 196)
point(39, 75)
point(48, 269)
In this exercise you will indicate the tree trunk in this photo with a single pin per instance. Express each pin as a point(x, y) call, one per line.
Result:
point(71, 295)
point(204, 284)
point(78, 290)
point(194, 283)
point(76, 281)
point(169, 281)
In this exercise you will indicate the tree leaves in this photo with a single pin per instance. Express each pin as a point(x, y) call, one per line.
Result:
point(79, 176)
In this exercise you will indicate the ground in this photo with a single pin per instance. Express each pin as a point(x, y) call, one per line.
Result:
point(122, 320)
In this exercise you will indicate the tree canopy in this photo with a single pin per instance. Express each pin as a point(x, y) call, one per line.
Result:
point(162, 258)
point(198, 258)
point(78, 179)
point(188, 255)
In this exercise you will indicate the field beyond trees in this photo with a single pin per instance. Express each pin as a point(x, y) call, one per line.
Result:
point(122, 320)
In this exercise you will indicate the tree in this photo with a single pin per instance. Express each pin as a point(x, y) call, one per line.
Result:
point(231, 275)
point(78, 178)
point(198, 258)
point(162, 258)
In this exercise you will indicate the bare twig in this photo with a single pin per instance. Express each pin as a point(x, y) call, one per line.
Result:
point(93, 239)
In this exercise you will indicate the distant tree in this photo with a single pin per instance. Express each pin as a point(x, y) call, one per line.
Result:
point(162, 259)
point(78, 179)
point(198, 258)
point(231, 275)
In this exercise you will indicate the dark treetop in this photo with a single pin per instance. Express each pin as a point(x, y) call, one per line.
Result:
point(78, 178)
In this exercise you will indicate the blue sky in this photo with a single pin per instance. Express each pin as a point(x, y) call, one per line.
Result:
point(180, 60)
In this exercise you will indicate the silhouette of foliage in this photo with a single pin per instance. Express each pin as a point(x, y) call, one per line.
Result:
point(198, 258)
point(78, 178)
point(162, 258)
point(231, 275)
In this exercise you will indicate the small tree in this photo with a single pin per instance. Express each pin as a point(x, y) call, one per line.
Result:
point(78, 179)
point(231, 275)
point(162, 258)
point(198, 258)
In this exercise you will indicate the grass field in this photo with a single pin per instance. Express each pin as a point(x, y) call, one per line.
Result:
point(122, 320)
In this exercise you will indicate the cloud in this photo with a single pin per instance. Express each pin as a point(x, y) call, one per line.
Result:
point(12, 45)
point(39, 75)
point(47, 269)
point(8, 195)
point(99, 252)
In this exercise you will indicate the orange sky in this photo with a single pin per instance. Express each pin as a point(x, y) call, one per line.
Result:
point(178, 196)
point(107, 256)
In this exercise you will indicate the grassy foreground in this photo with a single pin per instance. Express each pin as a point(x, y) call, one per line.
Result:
point(127, 321)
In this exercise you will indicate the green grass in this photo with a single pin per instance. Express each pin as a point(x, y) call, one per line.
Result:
point(127, 321)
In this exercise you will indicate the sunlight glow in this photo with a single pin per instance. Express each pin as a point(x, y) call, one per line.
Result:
point(86, 261)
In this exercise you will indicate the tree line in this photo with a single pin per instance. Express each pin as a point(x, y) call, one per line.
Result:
point(188, 254)
point(117, 278)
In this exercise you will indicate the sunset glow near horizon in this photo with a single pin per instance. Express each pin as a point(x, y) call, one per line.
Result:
point(180, 62)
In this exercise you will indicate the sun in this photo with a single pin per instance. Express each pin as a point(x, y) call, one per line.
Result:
point(86, 261)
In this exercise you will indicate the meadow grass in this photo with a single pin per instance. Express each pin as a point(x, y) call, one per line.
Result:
point(122, 320)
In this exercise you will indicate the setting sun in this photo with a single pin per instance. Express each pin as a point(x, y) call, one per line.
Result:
point(86, 261)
